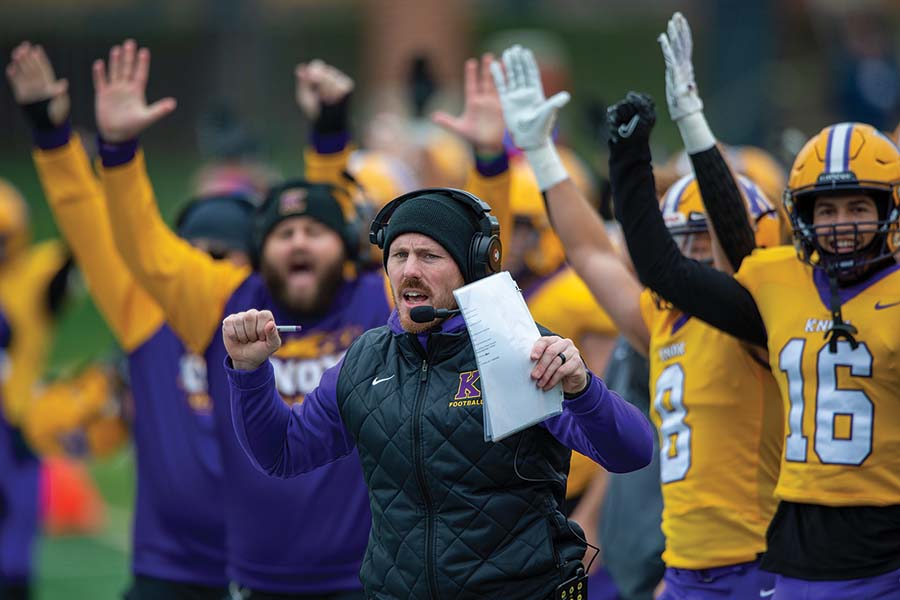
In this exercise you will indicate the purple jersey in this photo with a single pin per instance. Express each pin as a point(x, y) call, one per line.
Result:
point(179, 521)
point(304, 535)
point(19, 480)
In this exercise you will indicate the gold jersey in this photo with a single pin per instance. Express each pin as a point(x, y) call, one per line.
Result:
point(835, 451)
point(716, 409)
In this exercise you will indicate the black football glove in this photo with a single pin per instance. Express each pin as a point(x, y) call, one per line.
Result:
point(631, 119)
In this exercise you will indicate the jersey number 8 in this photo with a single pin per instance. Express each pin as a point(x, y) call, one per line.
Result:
point(674, 433)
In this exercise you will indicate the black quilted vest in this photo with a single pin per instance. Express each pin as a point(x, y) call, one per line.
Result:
point(450, 517)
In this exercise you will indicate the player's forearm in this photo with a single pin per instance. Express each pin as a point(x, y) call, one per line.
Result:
point(592, 255)
point(280, 441)
point(726, 210)
point(694, 288)
point(605, 428)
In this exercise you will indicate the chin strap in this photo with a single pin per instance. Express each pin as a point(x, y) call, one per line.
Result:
point(839, 329)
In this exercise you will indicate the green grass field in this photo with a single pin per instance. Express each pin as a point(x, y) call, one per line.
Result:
point(95, 566)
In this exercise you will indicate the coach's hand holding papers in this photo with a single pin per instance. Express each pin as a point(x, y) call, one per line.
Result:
point(517, 392)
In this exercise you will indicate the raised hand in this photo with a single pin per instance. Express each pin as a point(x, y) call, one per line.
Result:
point(529, 116)
point(681, 88)
point(120, 96)
point(481, 123)
point(631, 119)
point(250, 338)
point(320, 85)
point(32, 79)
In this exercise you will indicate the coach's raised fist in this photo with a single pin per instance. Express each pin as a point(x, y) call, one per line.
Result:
point(250, 338)
point(632, 118)
point(120, 94)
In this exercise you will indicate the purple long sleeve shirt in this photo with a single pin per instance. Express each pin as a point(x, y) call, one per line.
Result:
point(285, 441)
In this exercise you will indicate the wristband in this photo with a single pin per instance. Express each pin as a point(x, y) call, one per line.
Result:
point(547, 166)
point(38, 115)
point(491, 166)
point(333, 118)
point(695, 133)
point(114, 154)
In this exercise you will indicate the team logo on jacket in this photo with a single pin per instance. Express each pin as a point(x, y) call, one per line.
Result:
point(301, 361)
point(467, 394)
point(192, 380)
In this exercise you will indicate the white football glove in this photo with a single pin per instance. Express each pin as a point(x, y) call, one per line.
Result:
point(685, 105)
point(529, 116)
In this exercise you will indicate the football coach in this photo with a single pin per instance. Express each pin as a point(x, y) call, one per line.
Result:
point(453, 516)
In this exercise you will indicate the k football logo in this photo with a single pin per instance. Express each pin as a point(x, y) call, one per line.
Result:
point(467, 389)
point(467, 393)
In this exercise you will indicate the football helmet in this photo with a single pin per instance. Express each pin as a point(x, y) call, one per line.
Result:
point(684, 214)
point(845, 158)
point(762, 169)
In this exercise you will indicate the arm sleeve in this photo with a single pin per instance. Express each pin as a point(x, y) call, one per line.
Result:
point(79, 209)
point(490, 181)
point(188, 284)
point(724, 204)
point(601, 425)
point(281, 441)
point(694, 288)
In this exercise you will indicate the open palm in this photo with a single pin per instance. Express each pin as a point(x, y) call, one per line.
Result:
point(32, 79)
point(120, 95)
point(481, 123)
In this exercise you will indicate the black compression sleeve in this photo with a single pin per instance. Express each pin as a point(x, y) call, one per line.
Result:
point(724, 204)
point(694, 288)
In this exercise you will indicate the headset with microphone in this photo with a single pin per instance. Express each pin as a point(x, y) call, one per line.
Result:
point(485, 250)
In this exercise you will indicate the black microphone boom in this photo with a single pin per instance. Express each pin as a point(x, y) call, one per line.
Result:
point(427, 314)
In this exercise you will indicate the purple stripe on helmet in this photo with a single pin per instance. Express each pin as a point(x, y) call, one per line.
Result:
point(828, 149)
point(846, 164)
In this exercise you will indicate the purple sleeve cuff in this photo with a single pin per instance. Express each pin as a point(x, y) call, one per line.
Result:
point(492, 167)
point(330, 143)
point(117, 154)
point(591, 396)
point(49, 139)
point(249, 380)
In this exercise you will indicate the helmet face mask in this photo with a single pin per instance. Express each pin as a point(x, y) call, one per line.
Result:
point(691, 235)
point(845, 160)
point(866, 241)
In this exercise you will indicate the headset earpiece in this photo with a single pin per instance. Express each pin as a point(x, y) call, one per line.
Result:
point(485, 250)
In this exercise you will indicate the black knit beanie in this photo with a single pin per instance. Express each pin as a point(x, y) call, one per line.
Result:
point(449, 222)
point(298, 198)
point(225, 219)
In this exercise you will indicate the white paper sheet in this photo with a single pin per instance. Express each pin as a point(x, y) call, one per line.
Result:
point(503, 333)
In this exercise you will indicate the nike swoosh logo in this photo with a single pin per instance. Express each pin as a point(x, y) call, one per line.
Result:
point(766, 593)
point(376, 381)
point(880, 306)
point(625, 130)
